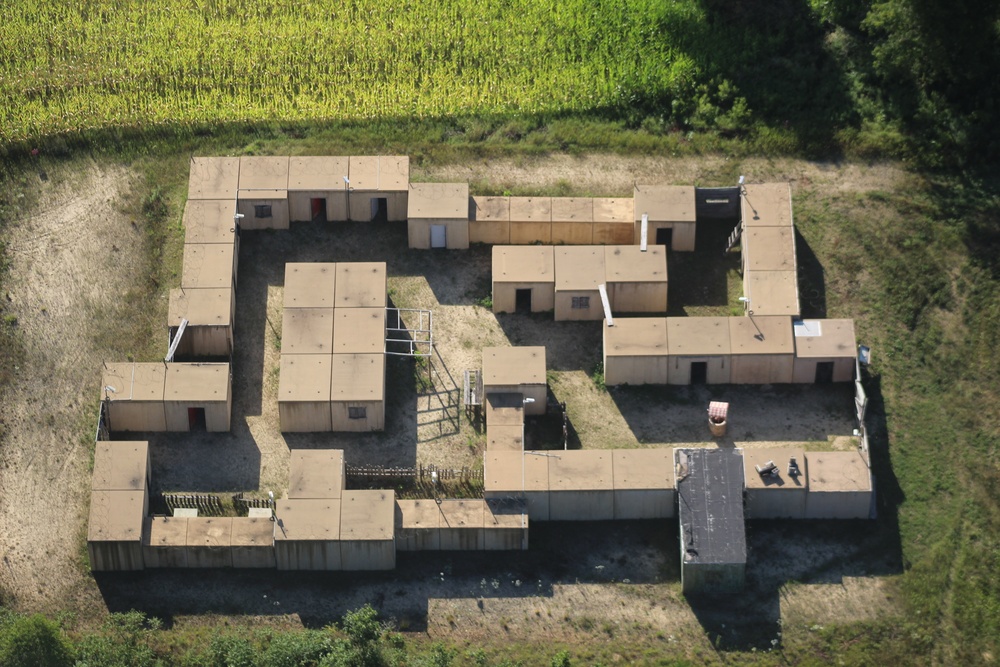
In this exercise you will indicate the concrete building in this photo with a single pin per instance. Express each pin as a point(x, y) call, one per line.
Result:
point(367, 530)
point(317, 191)
point(613, 223)
point(310, 285)
point(304, 382)
point(777, 495)
point(379, 188)
point(644, 484)
point(462, 525)
point(578, 272)
point(825, 351)
point(523, 279)
point(770, 275)
point(210, 542)
point(635, 351)
point(489, 220)
point(263, 192)
point(699, 350)
point(164, 542)
point(198, 396)
point(505, 526)
point(581, 485)
point(438, 216)
point(762, 349)
point(316, 473)
point(359, 331)
point(418, 525)
point(840, 485)
point(253, 543)
point(670, 214)
point(209, 266)
point(307, 534)
point(357, 392)
point(636, 280)
point(360, 285)
point(530, 220)
point(307, 331)
point(214, 178)
point(210, 221)
point(518, 476)
point(133, 396)
point(119, 501)
point(504, 422)
point(572, 221)
point(517, 370)
point(209, 313)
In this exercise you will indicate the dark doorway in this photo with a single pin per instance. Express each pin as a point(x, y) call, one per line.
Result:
point(380, 209)
point(522, 301)
point(196, 419)
point(699, 372)
point(824, 372)
point(318, 209)
point(665, 236)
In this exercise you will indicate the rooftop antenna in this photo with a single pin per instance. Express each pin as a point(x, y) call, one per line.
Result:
point(760, 334)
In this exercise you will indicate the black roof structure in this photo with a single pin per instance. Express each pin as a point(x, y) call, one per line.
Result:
point(710, 506)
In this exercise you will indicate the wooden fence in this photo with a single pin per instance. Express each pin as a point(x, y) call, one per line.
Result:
point(417, 475)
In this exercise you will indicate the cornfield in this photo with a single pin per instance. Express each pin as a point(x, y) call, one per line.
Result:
point(71, 66)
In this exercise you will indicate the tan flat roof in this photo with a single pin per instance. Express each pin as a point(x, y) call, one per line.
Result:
point(773, 292)
point(120, 465)
point(697, 336)
point(361, 285)
point(316, 473)
point(511, 366)
point(462, 513)
point(214, 178)
point(165, 531)
point(781, 457)
point(358, 377)
point(664, 203)
point(581, 470)
point(305, 378)
point(359, 330)
point(197, 383)
point(127, 381)
point(263, 195)
point(438, 201)
point(636, 337)
point(209, 221)
point(115, 516)
point(368, 515)
point(572, 209)
point(307, 519)
point(769, 248)
point(504, 409)
point(523, 264)
point(253, 532)
point(835, 338)
point(322, 173)
point(837, 471)
point(200, 306)
point(761, 334)
point(514, 471)
point(307, 331)
point(417, 514)
point(207, 265)
point(310, 284)
point(214, 531)
point(531, 209)
point(363, 172)
point(505, 437)
point(767, 205)
point(497, 515)
point(643, 468)
point(490, 209)
point(629, 264)
point(394, 173)
point(608, 209)
point(263, 173)
point(578, 267)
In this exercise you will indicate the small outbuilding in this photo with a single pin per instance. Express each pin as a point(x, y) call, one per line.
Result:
point(316, 473)
point(210, 542)
point(636, 279)
point(699, 350)
point(762, 349)
point(304, 382)
point(776, 483)
point(572, 221)
point(504, 422)
point(210, 221)
point(367, 530)
point(379, 187)
point(644, 484)
point(613, 224)
point(209, 266)
point(670, 215)
point(530, 220)
point(214, 178)
point(581, 485)
point(133, 396)
point(307, 534)
point(164, 542)
point(840, 486)
point(509, 476)
point(635, 351)
point(462, 525)
point(121, 465)
point(317, 191)
point(310, 284)
point(359, 330)
point(523, 279)
point(114, 530)
point(357, 392)
point(253, 543)
point(579, 271)
point(360, 285)
point(209, 314)
point(505, 525)
point(418, 525)
point(198, 396)
point(307, 331)
point(438, 216)
point(825, 351)
point(263, 195)
point(517, 370)
point(489, 220)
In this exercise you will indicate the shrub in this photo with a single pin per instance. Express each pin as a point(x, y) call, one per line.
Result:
point(34, 640)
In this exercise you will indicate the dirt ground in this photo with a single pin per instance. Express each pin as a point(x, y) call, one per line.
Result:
point(66, 266)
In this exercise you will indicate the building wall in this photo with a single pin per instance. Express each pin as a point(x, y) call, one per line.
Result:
point(712, 577)
point(495, 232)
point(278, 219)
point(206, 341)
point(307, 555)
point(368, 555)
point(614, 233)
point(838, 504)
point(775, 503)
point(360, 204)
point(505, 538)
point(210, 557)
point(137, 416)
point(259, 557)
point(564, 306)
point(638, 297)
point(636, 370)
point(216, 415)
point(418, 539)
point(682, 239)
point(761, 369)
point(679, 369)
point(300, 205)
point(572, 233)
point(396, 205)
point(645, 504)
point(300, 417)
point(581, 505)
point(115, 556)
point(543, 296)
point(160, 557)
point(467, 538)
point(456, 233)
point(536, 502)
point(526, 233)
point(374, 416)
point(804, 370)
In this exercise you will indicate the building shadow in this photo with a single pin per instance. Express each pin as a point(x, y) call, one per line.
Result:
point(569, 346)
point(200, 462)
point(701, 277)
point(811, 279)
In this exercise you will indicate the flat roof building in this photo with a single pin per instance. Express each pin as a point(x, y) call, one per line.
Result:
point(357, 392)
point(581, 485)
point(304, 382)
point(636, 279)
point(367, 530)
point(518, 475)
point(263, 194)
point(307, 534)
point(578, 272)
point(209, 314)
point(489, 220)
point(840, 486)
point(762, 349)
point(517, 370)
point(644, 483)
point(317, 191)
point(635, 351)
point(360, 285)
point(572, 220)
point(523, 279)
point(699, 350)
point(310, 284)
point(197, 395)
point(530, 220)
point(670, 213)
point(825, 351)
point(777, 493)
point(214, 178)
point(438, 215)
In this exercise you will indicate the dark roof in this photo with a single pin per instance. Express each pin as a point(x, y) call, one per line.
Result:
point(710, 505)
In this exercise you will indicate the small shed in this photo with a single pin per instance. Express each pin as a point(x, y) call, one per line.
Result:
point(518, 476)
point(772, 292)
point(198, 396)
point(121, 465)
point(316, 473)
point(418, 525)
point(581, 486)
point(504, 422)
point(379, 187)
point(209, 312)
point(489, 220)
point(310, 285)
point(670, 215)
point(210, 221)
point(357, 392)
point(572, 220)
point(304, 393)
point(209, 265)
point(164, 541)
point(825, 351)
point(114, 531)
point(462, 525)
point(636, 279)
point(214, 178)
point(263, 195)
point(635, 351)
point(517, 370)
point(133, 394)
point(699, 350)
point(394, 185)
point(530, 220)
point(840, 486)
point(359, 330)
point(367, 530)
point(579, 270)
point(210, 542)
point(317, 191)
point(613, 224)
point(253, 543)
point(523, 279)
point(772, 490)
point(438, 216)
point(307, 331)
point(762, 348)
point(505, 525)
point(644, 483)
point(307, 534)
point(360, 285)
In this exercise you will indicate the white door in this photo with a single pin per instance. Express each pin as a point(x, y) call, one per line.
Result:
point(438, 236)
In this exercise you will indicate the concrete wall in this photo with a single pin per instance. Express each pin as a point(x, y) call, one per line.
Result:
point(307, 554)
point(679, 369)
point(645, 504)
point(216, 415)
point(572, 233)
point(137, 416)
point(775, 503)
point(838, 504)
point(206, 341)
point(115, 556)
point(636, 370)
point(564, 306)
point(456, 233)
point(496, 232)
point(210, 542)
point(253, 543)
point(526, 233)
point(543, 296)
point(761, 368)
point(368, 554)
point(613, 233)
point(300, 205)
point(638, 297)
point(581, 505)
point(305, 417)
point(683, 236)
point(804, 370)
point(374, 416)
point(279, 214)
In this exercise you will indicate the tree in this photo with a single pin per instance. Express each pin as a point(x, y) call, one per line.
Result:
point(34, 640)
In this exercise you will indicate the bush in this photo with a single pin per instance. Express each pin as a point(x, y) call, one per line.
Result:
point(123, 642)
point(34, 640)
point(296, 649)
point(231, 651)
